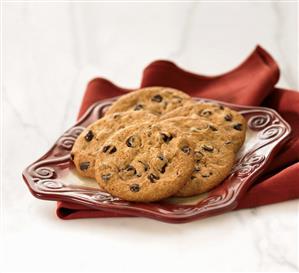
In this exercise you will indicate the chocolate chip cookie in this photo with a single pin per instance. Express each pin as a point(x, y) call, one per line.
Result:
point(156, 100)
point(212, 164)
point(213, 154)
point(145, 162)
point(92, 138)
point(229, 120)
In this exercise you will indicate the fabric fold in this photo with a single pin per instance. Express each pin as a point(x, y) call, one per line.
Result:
point(248, 84)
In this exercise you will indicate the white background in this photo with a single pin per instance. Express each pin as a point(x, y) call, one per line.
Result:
point(51, 51)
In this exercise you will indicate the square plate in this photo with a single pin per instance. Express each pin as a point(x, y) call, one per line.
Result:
point(53, 176)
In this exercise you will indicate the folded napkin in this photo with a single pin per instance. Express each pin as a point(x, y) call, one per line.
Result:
point(251, 83)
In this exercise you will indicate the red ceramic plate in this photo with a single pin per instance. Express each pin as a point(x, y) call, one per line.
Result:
point(53, 176)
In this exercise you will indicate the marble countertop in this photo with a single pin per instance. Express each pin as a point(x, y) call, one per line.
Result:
point(51, 51)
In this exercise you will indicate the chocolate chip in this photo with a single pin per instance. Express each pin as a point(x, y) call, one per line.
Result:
point(198, 156)
point(238, 126)
point(157, 98)
point(228, 117)
point(89, 136)
point(138, 107)
point(130, 142)
point(135, 188)
point(207, 174)
point(131, 168)
point(106, 148)
point(145, 166)
point(196, 169)
point(84, 166)
point(161, 157)
point(178, 99)
point(213, 128)
point(113, 150)
point(206, 113)
point(109, 149)
point(186, 149)
point(106, 177)
point(221, 107)
point(166, 138)
point(72, 156)
point(163, 168)
point(193, 177)
point(153, 177)
point(208, 148)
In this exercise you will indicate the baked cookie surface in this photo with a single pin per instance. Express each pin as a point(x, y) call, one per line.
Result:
point(156, 100)
point(200, 129)
point(213, 154)
point(232, 122)
point(212, 164)
point(89, 142)
point(144, 163)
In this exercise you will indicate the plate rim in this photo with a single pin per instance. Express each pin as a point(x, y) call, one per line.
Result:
point(142, 210)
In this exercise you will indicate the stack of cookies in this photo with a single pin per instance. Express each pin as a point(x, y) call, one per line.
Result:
point(157, 142)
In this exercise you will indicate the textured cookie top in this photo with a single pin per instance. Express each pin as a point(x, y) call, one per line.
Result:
point(229, 120)
point(156, 100)
point(198, 129)
point(92, 138)
point(144, 163)
point(213, 154)
point(212, 164)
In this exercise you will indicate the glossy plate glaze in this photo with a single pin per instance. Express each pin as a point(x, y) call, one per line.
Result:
point(53, 176)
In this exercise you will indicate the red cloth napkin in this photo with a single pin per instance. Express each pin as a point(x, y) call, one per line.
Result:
point(251, 83)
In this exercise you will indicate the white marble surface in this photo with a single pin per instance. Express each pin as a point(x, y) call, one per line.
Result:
point(50, 51)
